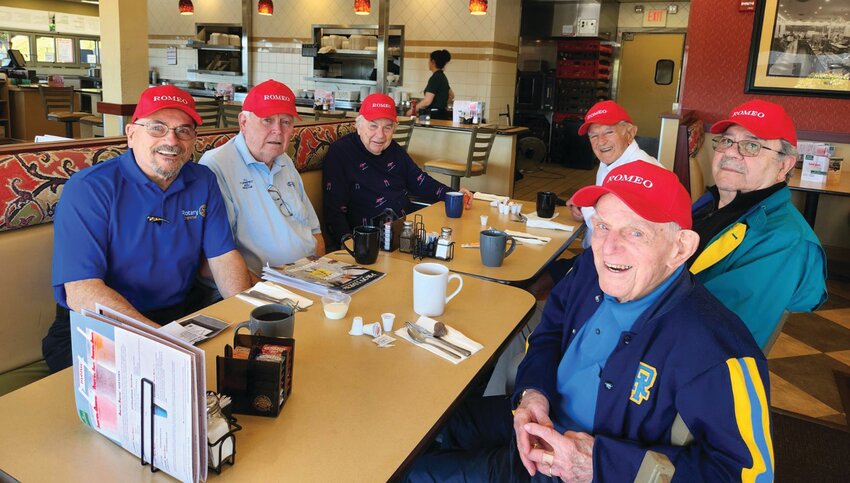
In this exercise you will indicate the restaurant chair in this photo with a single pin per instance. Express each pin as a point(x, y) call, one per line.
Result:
point(480, 144)
point(210, 112)
point(58, 105)
point(230, 114)
point(403, 132)
point(93, 121)
point(775, 334)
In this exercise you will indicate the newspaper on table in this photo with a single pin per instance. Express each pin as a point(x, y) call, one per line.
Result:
point(111, 355)
point(320, 275)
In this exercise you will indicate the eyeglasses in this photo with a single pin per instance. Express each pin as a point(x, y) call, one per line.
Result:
point(278, 198)
point(159, 130)
point(746, 147)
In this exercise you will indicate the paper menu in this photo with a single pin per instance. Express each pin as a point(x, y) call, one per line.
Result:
point(109, 358)
point(815, 157)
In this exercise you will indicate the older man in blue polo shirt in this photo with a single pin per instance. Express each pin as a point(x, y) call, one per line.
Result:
point(269, 212)
point(130, 233)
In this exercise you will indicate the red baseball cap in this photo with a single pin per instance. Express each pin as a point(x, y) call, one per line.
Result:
point(165, 97)
point(764, 119)
point(378, 106)
point(269, 98)
point(605, 112)
point(651, 191)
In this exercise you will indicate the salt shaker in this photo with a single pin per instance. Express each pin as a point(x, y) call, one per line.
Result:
point(217, 426)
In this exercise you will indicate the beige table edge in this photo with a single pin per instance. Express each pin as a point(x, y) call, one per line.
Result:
point(357, 412)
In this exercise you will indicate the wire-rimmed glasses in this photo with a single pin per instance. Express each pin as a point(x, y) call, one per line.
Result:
point(278, 198)
point(746, 147)
point(159, 130)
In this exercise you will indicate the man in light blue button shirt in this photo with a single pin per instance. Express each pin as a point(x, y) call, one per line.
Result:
point(270, 215)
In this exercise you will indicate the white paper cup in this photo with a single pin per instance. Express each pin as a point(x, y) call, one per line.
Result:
point(356, 326)
point(373, 329)
point(483, 220)
point(388, 320)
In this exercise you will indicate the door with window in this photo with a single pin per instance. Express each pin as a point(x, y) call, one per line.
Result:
point(650, 69)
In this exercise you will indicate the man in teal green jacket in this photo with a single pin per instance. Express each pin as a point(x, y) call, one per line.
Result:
point(757, 254)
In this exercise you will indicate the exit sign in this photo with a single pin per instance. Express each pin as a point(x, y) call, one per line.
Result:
point(655, 18)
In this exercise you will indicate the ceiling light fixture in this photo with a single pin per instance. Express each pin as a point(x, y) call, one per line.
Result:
point(186, 8)
point(265, 7)
point(362, 7)
point(478, 7)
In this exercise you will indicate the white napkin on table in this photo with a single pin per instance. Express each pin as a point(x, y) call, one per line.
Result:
point(488, 197)
point(275, 291)
point(454, 336)
point(529, 241)
point(549, 225)
point(528, 237)
point(534, 216)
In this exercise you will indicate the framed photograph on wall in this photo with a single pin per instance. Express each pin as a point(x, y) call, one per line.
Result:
point(800, 49)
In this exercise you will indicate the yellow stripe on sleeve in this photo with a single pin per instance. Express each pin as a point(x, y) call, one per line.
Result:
point(761, 394)
point(744, 419)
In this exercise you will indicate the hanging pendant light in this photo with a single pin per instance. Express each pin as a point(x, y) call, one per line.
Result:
point(478, 7)
point(265, 7)
point(186, 7)
point(362, 7)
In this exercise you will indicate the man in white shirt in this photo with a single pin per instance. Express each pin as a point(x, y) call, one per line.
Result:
point(612, 138)
point(270, 215)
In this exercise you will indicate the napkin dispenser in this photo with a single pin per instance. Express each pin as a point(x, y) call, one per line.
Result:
point(257, 387)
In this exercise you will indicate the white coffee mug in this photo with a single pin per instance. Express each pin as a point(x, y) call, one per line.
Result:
point(430, 281)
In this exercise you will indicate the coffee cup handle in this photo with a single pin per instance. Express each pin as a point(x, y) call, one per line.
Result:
point(342, 241)
point(459, 286)
point(513, 245)
point(242, 324)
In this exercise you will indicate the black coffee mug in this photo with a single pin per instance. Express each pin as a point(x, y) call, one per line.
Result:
point(546, 204)
point(366, 244)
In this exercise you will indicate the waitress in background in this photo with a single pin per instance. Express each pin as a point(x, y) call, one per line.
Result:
point(437, 93)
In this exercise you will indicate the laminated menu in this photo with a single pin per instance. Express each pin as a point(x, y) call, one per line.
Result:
point(143, 389)
point(320, 275)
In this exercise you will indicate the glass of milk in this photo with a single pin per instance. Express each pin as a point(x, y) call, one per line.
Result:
point(336, 305)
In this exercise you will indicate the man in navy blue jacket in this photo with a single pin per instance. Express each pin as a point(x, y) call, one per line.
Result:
point(628, 341)
point(366, 173)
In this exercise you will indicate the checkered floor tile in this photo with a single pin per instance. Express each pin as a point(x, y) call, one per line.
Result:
point(810, 363)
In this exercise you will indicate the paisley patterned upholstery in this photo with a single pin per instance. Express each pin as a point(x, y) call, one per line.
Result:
point(30, 183)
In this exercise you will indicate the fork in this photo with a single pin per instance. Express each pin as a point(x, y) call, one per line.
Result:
point(519, 217)
point(293, 303)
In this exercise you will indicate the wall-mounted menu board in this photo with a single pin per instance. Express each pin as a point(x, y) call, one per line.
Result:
point(23, 19)
point(39, 21)
point(67, 23)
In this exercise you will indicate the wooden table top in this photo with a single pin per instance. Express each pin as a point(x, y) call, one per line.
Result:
point(832, 186)
point(356, 413)
point(521, 266)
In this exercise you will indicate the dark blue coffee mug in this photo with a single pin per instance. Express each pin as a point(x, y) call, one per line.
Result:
point(454, 204)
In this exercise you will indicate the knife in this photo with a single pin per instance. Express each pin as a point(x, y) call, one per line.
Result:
point(261, 296)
